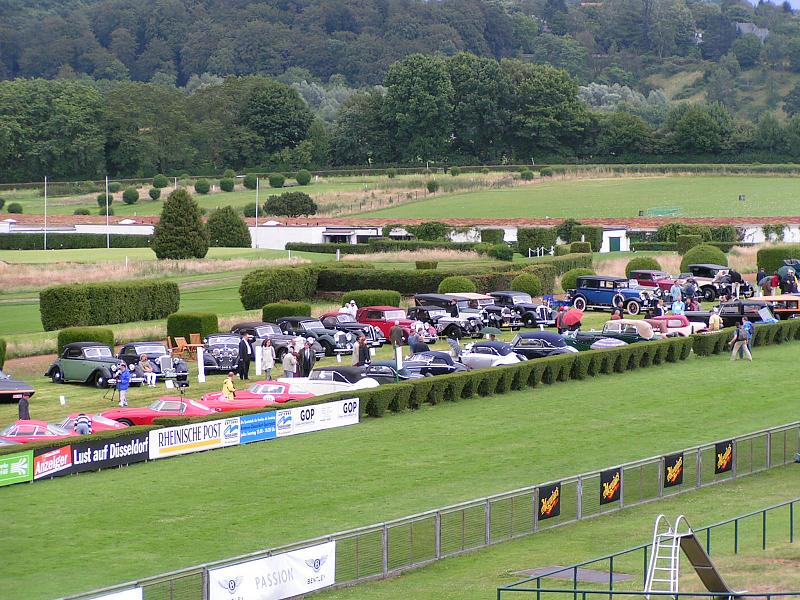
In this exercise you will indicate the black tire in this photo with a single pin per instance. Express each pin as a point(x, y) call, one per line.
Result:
point(709, 293)
point(100, 381)
point(633, 307)
point(125, 422)
point(327, 347)
point(454, 331)
point(56, 376)
point(529, 320)
point(579, 303)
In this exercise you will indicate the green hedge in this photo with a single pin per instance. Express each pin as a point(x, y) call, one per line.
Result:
point(771, 258)
point(569, 279)
point(373, 297)
point(706, 344)
point(580, 247)
point(389, 245)
point(528, 283)
point(265, 286)
point(535, 237)
point(641, 263)
point(182, 324)
point(493, 236)
point(563, 249)
point(673, 246)
point(106, 303)
point(329, 248)
point(568, 262)
point(687, 242)
point(546, 274)
point(426, 264)
point(2, 352)
point(274, 311)
point(455, 284)
point(69, 335)
point(593, 235)
point(35, 241)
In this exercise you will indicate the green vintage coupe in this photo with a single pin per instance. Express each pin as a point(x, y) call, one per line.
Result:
point(85, 362)
point(628, 331)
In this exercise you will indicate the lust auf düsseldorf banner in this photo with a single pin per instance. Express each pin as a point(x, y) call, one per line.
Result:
point(673, 470)
point(610, 485)
point(723, 457)
point(91, 455)
point(276, 577)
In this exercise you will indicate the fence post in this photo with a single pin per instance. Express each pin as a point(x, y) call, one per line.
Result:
point(579, 500)
point(437, 525)
point(768, 462)
point(622, 487)
point(661, 464)
point(699, 468)
point(735, 455)
point(385, 550)
point(488, 523)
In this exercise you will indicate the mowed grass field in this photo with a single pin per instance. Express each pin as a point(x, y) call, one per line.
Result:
point(108, 527)
point(694, 196)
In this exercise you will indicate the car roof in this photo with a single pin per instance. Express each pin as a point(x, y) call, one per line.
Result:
point(437, 354)
point(602, 278)
point(469, 296)
point(435, 296)
point(85, 345)
point(380, 308)
point(647, 271)
point(492, 344)
point(709, 265)
point(542, 335)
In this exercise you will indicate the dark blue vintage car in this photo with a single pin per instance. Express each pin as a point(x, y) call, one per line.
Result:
point(538, 344)
point(433, 363)
point(604, 293)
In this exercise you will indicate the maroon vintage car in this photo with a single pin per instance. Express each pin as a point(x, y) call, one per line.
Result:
point(383, 317)
point(654, 279)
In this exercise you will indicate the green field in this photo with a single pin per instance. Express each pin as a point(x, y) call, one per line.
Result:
point(156, 517)
point(695, 196)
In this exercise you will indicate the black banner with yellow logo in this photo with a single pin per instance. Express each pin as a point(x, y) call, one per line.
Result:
point(549, 501)
point(723, 457)
point(610, 485)
point(673, 470)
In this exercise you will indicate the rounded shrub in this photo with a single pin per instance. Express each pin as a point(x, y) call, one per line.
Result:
point(527, 175)
point(687, 242)
point(276, 180)
point(373, 297)
point(641, 263)
point(227, 184)
point(202, 186)
point(103, 211)
point(69, 335)
point(528, 283)
point(114, 187)
point(154, 193)
point(229, 174)
point(455, 171)
point(15, 208)
point(101, 200)
point(391, 173)
point(130, 195)
point(303, 177)
point(81, 211)
point(426, 264)
point(249, 210)
point(432, 185)
point(160, 181)
point(703, 253)
point(456, 284)
point(546, 172)
point(580, 248)
point(501, 252)
point(485, 170)
point(275, 310)
point(227, 229)
point(569, 279)
point(250, 181)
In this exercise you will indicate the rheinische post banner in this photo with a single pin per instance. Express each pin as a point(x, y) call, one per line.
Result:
point(172, 441)
point(276, 577)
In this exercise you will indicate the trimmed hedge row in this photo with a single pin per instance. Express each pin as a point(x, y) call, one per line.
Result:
point(2, 352)
point(84, 334)
point(329, 248)
point(687, 242)
point(673, 246)
point(373, 297)
point(270, 313)
point(492, 236)
point(706, 344)
point(183, 324)
point(35, 241)
point(106, 303)
point(389, 245)
point(771, 258)
point(589, 233)
point(265, 286)
point(535, 237)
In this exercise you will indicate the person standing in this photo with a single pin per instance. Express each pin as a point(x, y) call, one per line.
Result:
point(245, 356)
point(267, 358)
point(736, 282)
point(714, 321)
point(148, 372)
point(364, 358)
point(760, 283)
point(678, 307)
point(676, 291)
point(413, 338)
point(289, 362)
point(307, 359)
point(747, 325)
point(123, 383)
point(776, 283)
point(24, 409)
point(396, 335)
point(739, 342)
point(228, 389)
point(83, 425)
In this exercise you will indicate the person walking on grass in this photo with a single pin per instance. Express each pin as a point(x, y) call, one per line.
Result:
point(289, 363)
point(739, 342)
point(228, 389)
point(267, 358)
point(123, 383)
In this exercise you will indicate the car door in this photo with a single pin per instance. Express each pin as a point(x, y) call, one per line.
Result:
point(128, 354)
point(70, 364)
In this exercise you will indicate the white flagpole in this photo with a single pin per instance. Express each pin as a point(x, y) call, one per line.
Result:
point(45, 212)
point(255, 235)
point(108, 230)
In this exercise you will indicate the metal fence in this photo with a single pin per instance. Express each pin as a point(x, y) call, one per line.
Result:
point(385, 549)
point(732, 535)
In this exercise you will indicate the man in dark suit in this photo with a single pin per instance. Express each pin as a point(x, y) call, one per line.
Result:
point(246, 354)
point(307, 359)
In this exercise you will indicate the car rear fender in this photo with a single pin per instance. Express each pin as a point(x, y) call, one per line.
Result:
point(365, 383)
point(101, 371)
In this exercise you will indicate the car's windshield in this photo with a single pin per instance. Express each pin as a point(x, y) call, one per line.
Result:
point(345, 318)
point(97, 352)
point(421, 358)
point(151, 350)
point(313, 325)
point(228, 340)
point(266, 389)
point(521, 298)
point(435, 313)
point(267, 330)
point(321, 376)
point(393, 314)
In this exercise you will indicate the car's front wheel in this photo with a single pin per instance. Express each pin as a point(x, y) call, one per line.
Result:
point(709, 293)
point(579, 303)
point(56, 376)
point(529, 321)
point(633, 307)
point(454, 331)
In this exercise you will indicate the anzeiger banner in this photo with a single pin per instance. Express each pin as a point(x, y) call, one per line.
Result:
point(276, 577)
point(92, 455)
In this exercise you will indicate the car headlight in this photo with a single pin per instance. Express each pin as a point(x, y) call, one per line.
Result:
point(175, 361)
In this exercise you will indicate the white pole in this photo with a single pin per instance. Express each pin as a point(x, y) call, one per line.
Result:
point(259, 351)
point(201, 366)
point(398, 357)
point(45, 212)
point(108, 230)
point(255, 235)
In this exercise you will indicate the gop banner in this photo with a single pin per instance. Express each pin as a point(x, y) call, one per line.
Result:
point(549, 501)
point(673, 470)
point(723, 457)
point(610, 485)
point(276, 577)
point(304, 419)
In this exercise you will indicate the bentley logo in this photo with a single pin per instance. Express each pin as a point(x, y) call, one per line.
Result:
point(317, 563)
point(231, 584)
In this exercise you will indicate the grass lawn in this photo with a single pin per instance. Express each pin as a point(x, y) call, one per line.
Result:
point(695, 196)
point(477, 575)
point(152, 518)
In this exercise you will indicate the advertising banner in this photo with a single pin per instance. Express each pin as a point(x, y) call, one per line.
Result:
point(172, 441)
point(723, 457)
point(255, 428)
point(16, 468)
point(549, 501)
point(52, 462)
point(305, 419)
point(275, 577)
point(610, 485)
point(92, 455)
point(673, 470)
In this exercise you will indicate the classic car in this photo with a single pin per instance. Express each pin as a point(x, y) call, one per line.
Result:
point(467, 320)
point(328, 380)
point(602, 292)
point(492, 314)
point(11, 390)
point(386, 371)
point(433, 363)
point(446, 325)
point(262, 331)
point(538, 344)
point(221, 352)
point(166, 406)
point(676, 324)
point(27, 431)
point(99, 423)
point(346, 322)
point(86, 362)
point(257, 395)
point(660, 281)
point(482, 355)
point(713, 281)
point(332, 341)
point(384, 317)
point(532, 314)
point(783, 306)
point(754, 309)
point(164, 365)
point(628, 330)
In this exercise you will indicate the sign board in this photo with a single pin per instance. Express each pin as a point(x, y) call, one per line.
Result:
point(304, 419)
point(172, 441)
point(549, 501)
point(723, 457)
point(91, 455)
point(610, 485)
point(673, 470)
point(16, 468)
point(258, 427)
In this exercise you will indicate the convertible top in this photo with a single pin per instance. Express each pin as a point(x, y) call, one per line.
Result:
point(87, 345)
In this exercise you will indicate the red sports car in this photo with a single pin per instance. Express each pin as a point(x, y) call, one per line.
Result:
point(24, 432)
point(258, 395)
point(99, 423)
point(167, 406)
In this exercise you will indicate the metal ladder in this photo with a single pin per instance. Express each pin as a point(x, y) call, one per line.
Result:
point(663, 571)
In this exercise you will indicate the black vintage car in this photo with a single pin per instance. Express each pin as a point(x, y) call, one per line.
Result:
point(221, 352)
point(386, 371)
point(446, 325)
point(532, 314)
point(714, 281)
point(13, 390)
point(164, 365)
point(539, 344)
point(433, 363)
point(261, 331)
point(332, 341)
point(460, 315)
point(347, 323)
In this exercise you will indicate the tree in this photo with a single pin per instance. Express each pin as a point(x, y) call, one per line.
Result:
point(721, 87)
point(623, 133)
point(770, 135)
point(747, 49)
point(130, 195)
point(360, 132)
point(277, 115)
point(290, 204)
point(700, 128)
point(791, 102)
point(180, 232)
point(227, 229)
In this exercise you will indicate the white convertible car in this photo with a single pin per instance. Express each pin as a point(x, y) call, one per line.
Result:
point(481, 355)
point(329, 380)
